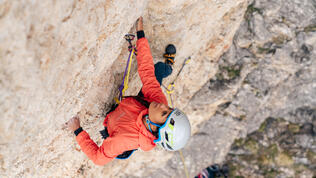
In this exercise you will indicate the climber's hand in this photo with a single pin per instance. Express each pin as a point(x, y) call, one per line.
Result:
point(139, 24)
point(73, 124)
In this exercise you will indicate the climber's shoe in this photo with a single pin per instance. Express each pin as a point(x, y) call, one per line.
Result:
point(225, 170)
point(214, 170)
point(170, 54)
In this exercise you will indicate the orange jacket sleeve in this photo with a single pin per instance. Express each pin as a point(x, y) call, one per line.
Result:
point(110, 148)
point(146, 70)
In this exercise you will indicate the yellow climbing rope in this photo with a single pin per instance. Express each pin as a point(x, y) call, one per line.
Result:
point(124, 85)
point(185, 168)
point(171, 86)
point(170, 90)
point(128, 71)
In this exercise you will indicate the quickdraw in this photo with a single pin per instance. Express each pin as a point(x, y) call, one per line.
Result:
point(171, 86)
point(132, 51)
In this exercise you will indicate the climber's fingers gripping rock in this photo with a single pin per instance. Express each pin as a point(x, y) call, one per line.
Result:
point(73, 124)
point(139, 24)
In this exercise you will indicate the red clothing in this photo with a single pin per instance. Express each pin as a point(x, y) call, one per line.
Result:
point(124, 124)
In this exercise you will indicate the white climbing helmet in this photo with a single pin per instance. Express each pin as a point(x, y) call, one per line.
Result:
point(175, 132)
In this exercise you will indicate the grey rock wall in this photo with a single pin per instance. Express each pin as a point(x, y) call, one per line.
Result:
point(268, 72)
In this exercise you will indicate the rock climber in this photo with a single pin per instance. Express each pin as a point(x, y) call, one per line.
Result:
point(142, 121)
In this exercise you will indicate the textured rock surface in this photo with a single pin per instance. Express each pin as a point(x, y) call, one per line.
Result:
point(269, 71)
point(278, 149)
point(61, 58)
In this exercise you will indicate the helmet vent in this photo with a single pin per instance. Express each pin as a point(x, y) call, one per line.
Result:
point(172, 121)
point(163, 145)
point(177, 113)
point(166, 136)
point(169, 146)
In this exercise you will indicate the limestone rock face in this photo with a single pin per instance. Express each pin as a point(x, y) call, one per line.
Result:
point(277, 149)
point(62, 58)
point(268, 72)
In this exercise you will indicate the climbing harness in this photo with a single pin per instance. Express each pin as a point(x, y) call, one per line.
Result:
point(132, 51)
point(170, 90)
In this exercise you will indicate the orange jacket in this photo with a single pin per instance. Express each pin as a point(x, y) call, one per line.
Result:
point(125, 127)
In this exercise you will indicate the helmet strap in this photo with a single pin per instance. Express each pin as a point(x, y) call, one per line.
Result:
point(150, 122)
